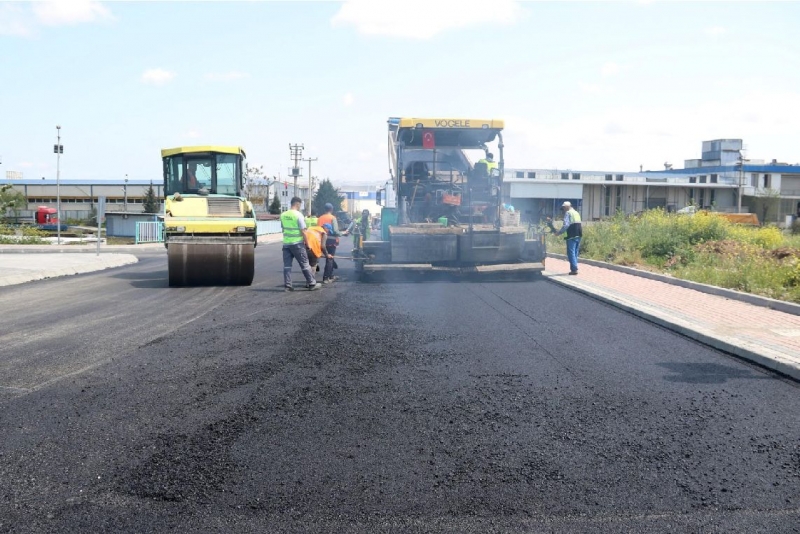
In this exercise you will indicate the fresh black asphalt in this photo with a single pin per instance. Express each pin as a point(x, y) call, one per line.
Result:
point(426, 406)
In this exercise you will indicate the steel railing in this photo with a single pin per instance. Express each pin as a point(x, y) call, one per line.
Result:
point(149, 232)
point(153, 232)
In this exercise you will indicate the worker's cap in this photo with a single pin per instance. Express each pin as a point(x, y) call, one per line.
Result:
point(328, 227)
point(328, 206)
point(566, 204)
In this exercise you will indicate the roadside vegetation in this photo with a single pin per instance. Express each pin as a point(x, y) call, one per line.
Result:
point(21, 235)
point(703, 248)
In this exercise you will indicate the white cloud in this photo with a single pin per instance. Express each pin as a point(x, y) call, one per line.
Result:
point(610, 69)
point(423, 19)
point(348, 99)
point(62, 12)
point(715, 31)
point(23, 19)
point(157, 76)
point(226, 76)
point(193, 134)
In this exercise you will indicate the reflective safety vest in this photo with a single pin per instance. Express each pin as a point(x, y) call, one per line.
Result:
point(574, 229)
point(291, 227)
point(315, 236)
point(489, 164)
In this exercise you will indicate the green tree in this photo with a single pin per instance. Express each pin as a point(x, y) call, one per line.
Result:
point(275, 206)
point(325, 194)
point(767, 202)
point(151, 203)
point(11, 200)
point(255, 185)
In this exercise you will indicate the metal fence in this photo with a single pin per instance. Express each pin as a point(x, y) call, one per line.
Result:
point(149, 232)
point(153, 232)
point(269, 227)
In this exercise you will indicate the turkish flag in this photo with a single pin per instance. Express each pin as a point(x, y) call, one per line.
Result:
point(428, 139)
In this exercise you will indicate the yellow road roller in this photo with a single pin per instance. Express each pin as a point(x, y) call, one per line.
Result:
point(209, 226)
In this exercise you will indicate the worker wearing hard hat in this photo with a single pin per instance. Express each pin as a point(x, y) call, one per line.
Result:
point(489, 161)
point(328, 221)
point(572, 226)
point(316, 238)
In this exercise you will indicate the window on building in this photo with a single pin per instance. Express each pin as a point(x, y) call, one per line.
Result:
point(576, 176)
point(565, 176)
point(714, 178)
point(609, 177)
point(520, 174)
point(703, 179)
point(754, 179)
point(607, 201)
point(531, 175)
point(691, 195)
point(766, 181)
point(693, 179)
point(701, 198)
point(712, 197)
point(618, 203)
point(619, 177)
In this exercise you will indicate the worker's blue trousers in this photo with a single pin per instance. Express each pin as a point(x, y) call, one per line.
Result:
point(573, 245)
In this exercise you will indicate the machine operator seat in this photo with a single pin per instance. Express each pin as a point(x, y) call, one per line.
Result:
point(417, 170)
point(480, 170)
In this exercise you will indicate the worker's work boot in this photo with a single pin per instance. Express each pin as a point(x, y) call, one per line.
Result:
point(314, 287)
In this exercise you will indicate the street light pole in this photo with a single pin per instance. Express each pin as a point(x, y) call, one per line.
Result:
point(58, 149)
point(125, 195)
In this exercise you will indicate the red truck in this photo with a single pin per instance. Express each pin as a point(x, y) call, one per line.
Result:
point(47, 219)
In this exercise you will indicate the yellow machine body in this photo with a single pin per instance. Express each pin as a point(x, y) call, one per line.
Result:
point(210, 229)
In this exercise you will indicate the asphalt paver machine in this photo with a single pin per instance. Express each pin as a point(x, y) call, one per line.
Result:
point(209, 226)
point(448, 212)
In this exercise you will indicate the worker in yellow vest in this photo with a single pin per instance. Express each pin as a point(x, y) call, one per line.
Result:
point(572, 226)
point(294, 246)
point(490, 162)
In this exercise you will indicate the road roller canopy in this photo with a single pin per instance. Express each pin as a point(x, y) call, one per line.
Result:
point(445, 133)
point(208, 169)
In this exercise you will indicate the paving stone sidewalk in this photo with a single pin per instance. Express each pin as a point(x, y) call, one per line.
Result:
point(768, 337)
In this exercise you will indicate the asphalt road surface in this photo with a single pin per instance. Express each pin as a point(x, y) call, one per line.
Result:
point(380, 407)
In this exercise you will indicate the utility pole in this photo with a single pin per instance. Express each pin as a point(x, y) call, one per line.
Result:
point(58, 149)
point(308, 206)
point(740, 176)
point(296, 152)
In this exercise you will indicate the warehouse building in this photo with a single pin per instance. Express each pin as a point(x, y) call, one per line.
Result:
point(721, 180)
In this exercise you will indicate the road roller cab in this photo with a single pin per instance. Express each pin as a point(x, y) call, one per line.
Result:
point(209, 227)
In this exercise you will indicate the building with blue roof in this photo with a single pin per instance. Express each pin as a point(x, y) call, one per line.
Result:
point(721, 179)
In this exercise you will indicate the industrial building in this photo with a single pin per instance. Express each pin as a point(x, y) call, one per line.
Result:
point(720, 179)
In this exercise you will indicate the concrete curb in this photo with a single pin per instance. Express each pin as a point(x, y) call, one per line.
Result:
point(756, 300)
point(105, 261)
point(757, 354)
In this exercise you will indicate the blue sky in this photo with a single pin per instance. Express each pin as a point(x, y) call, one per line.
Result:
point(584, 86)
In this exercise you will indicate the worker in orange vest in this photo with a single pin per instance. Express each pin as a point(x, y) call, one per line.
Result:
point(328, 218)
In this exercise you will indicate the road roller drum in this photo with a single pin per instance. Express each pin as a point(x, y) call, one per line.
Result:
point(210, 263)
